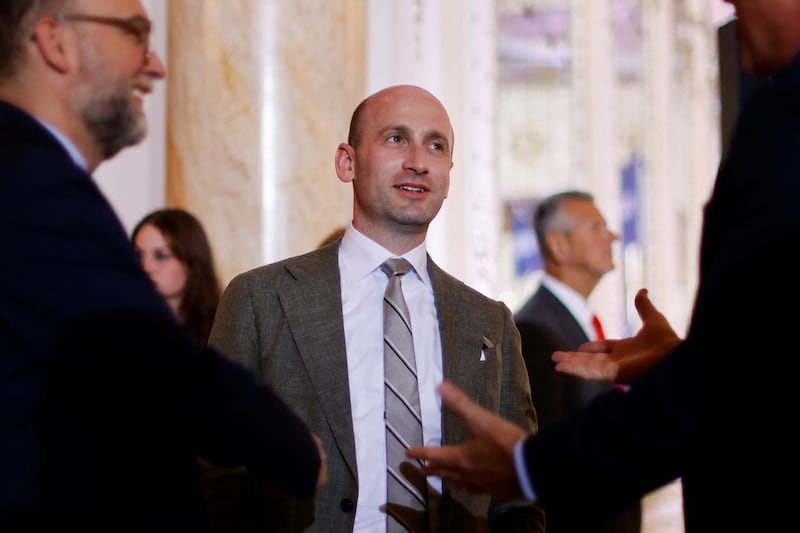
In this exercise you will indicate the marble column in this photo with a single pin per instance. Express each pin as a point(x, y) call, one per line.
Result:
point(703, 127)
point(133, 180)
point(448, 47)
point(259, 96)
point(596, 142)
point(661, 217)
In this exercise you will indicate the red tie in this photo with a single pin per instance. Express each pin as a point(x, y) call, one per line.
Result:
point(598, 328)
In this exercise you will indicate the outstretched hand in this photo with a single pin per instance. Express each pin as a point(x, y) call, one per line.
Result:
point(623, 360)
point(484, 463)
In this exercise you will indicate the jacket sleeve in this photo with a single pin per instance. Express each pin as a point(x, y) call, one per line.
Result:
point(143, 382)
point(515, 405)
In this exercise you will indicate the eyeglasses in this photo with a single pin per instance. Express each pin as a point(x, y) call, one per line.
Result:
point(139, 27)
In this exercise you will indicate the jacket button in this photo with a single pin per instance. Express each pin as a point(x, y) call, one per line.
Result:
point(346, 505)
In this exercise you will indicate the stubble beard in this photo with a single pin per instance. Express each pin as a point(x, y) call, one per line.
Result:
point(413, 220)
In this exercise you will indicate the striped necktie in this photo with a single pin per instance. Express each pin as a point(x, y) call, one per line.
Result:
point(406, 501)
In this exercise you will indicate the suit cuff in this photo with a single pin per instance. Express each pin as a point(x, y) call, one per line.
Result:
point(522, 471)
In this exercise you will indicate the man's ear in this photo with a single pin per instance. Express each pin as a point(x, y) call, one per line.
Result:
point(53, 42)
point(345, 162)
point(557, 244)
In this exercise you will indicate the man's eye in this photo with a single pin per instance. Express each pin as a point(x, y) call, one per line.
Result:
point(438, 146)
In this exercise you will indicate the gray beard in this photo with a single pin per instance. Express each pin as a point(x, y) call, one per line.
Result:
point(114, 123)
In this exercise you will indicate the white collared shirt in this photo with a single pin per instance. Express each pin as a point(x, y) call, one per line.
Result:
point(363, 285)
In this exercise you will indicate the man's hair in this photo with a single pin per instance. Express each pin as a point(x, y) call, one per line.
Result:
point(550, 216)
point(188, 241)
point(17, 20)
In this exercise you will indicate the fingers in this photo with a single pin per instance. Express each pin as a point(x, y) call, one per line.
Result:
point(583, 351)
point(433, 456)
point(457, 401)
point(595, 347)
point(478, 420)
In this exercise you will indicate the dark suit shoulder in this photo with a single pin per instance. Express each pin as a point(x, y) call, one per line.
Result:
point(28, 149)
point(538, 305)
point(539, 338)
point(546, 309)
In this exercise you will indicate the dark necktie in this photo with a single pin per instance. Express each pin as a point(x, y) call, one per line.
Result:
point(406, 501)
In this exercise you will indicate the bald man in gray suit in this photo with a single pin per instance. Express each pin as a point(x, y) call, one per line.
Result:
point(311, 327)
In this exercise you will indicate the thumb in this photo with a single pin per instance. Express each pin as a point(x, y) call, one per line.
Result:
point(644, 306)
point(460, 404)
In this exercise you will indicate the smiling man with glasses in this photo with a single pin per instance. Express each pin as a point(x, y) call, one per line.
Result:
point(105, 401)
point(110, 48)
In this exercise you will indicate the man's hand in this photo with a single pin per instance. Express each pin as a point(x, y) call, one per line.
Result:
point(624, 360)
point(484, 463)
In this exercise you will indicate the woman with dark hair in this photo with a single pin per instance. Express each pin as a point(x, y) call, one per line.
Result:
point(175, 253)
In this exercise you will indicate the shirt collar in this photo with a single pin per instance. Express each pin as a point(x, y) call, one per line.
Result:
point(71, 149)
point(573, 301)
point(361, 256)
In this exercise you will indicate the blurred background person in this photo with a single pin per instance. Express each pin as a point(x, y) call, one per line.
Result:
point(575, 245)
point(175, 253)
point(106, 401)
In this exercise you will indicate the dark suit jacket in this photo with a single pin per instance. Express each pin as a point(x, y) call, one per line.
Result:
point(546, 325)
point(284, 321)
point(104, 400)
point(719, 410)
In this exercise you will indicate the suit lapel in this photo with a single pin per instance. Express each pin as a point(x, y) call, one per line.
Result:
point(568, 326)
point(462, 328)
point(463, 321)
point(313, 309)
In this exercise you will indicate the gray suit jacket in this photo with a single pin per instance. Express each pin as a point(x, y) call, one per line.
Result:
point(284, 322)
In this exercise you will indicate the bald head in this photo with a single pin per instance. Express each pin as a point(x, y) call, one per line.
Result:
point(385, 97)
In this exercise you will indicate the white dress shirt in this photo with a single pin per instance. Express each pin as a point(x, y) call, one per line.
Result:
point(363, 286)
